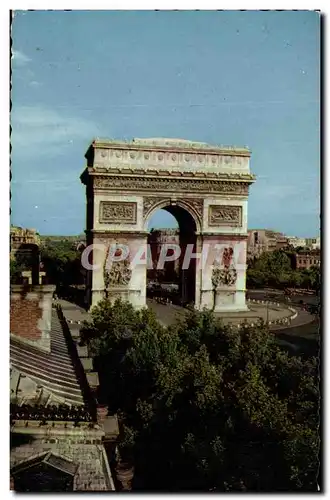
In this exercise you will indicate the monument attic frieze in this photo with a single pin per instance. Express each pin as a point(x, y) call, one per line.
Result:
point(168, 154)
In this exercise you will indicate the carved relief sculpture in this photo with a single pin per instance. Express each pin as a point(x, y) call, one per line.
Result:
point(116, 273)
point(196, 205)
point(117, 212)
point(119, 274)
point(225, 215)
point(149, 203)
point(227, 257)
point(225, 277)
point(164, 184)
point(226, 274)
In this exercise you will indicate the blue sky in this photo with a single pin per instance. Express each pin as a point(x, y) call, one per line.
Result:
point(235, 78)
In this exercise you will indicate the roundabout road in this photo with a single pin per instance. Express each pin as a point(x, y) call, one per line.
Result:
point(302, 337)
point(278, 295)
point(303, 318)
point(168, 314)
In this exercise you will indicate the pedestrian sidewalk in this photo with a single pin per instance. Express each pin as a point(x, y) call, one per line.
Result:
point(73, 313)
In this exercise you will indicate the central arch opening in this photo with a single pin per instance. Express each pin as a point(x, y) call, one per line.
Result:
point(175, 281)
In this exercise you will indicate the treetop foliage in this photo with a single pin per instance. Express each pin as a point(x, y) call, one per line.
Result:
point(277, 269)
point(204, 406)
point(62, 262)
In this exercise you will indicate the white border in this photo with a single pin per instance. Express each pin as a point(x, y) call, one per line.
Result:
point(121, 5)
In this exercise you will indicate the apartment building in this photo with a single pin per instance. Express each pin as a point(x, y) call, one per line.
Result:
point(296, 242)
point(308, 259)
point(313, 243)
point(265, 240)
point(20, 236)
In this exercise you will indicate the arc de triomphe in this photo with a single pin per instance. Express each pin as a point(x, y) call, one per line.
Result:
point(205, 187)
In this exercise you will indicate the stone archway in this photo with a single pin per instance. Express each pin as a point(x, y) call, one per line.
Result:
point(205, 186)
point(188, 216)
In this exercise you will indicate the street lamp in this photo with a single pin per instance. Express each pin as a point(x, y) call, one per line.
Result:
point(267, 311)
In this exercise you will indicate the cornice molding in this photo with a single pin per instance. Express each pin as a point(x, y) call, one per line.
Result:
point(178, 185)
point(161, 173)
point(117, 233)
point(172, 147)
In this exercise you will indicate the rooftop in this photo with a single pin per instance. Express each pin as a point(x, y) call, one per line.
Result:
point(53, 371)
point(88, 462)
point(49, 416)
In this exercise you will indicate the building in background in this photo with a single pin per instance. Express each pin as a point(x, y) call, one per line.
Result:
point(20, 236)
point(296, 242)
point(313, 243)
point(265, 240)
point(308, 259)
point(75, 239)
point(281, 241)
point(159, 237)
point(25, 256)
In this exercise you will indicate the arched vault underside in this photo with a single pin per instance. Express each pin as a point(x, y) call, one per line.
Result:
point(188, 222)
point(206, 189)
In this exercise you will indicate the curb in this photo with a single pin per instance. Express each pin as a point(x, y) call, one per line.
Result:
point(282, 321)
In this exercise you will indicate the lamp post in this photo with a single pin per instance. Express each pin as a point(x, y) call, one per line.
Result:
point(267, 311)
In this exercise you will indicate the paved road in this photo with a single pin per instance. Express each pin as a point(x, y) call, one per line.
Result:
point(303, 340)
point(167, 314)
point(301, 337)
point(73, 312)
point(303, 318)
point(279, 295)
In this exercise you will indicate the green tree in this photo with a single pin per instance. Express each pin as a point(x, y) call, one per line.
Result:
point(256, 278)
point(277, 269)
point(25, 259)
point(204, 406)
point(296, 279)
point(275, 262)
point(15, 271)
point(315, 278)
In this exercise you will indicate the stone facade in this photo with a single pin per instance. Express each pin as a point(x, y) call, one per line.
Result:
point(313, 243)
point(205, 187)
point(123, 212)
point(20, 236)
point(308, 259)
point(225, 215)
point(296, 242)
point(265, 240)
